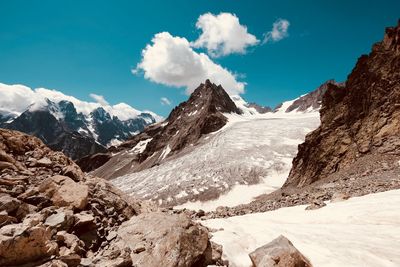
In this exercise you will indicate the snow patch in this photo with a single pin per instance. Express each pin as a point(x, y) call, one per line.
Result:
point(240, 193)
point(141, 146)
point(362, 231)
point(165, 152)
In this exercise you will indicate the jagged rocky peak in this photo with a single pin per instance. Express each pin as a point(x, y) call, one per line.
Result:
point(100, 114)
point(208, 97)
point(391, 41)
point(361, 118)
point(201, 114)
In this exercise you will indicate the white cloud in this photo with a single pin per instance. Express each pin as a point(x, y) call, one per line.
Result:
point(171, 61)
point(15, 99)
point(165, 101)
point(278, 32)
point(223, 35)
point(99, 99)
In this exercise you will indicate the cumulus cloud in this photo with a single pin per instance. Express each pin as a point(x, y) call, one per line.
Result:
point(15, 99)
point(223, 35)
point(278, 32)
point(99, 99)
point(165, 101)
point(171, 61)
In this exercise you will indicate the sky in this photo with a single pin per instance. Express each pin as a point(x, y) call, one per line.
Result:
point(152, 54)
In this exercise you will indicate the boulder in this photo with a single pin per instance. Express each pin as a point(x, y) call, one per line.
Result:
point(83, 218)
point(73, 172)
point(70, 241)
point(6, 219)
point(157, 239)
point(8, 203)
point(62, 219)
point(64, 192)
point(44, 162)
point(280, 252)
point(20, 244)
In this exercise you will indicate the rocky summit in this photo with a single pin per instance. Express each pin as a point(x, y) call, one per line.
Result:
point(359, 119)
point(201, 114)
point(52, 214)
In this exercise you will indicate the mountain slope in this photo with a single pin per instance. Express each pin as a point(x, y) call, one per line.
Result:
point(201, 114)
point(362, 118)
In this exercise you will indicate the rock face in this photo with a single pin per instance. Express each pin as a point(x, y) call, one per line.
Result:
point(51, 214)
point(361, 118)
point(201, 114)
point(280, 252)
point(62, 128)
point(312, 100)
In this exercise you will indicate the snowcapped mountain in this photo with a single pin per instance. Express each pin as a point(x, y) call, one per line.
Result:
point(76, 127)
point(201, 114)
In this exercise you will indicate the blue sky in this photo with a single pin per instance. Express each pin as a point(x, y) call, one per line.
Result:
point(83, 47)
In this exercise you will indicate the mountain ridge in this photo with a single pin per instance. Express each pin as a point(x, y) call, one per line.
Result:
point(60, 125)
point(358, 119)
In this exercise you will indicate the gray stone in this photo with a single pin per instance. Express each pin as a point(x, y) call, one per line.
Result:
point(280, 252)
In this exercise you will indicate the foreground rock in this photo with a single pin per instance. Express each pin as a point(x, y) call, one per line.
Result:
point(280, 252)
point(174, 241)
point(51, 214)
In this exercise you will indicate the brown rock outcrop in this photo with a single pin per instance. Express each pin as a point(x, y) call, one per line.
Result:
point(361, 118)
point(51, 214)
point(64, 192)
point(21, 244)
point(280, 252)
point(174, 241)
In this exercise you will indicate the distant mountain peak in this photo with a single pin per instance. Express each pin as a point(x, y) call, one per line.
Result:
point(201, 114)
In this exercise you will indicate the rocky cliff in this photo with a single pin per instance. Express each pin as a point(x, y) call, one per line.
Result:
point(361, 118)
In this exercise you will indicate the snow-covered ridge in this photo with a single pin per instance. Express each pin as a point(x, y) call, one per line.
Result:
point(15, 99)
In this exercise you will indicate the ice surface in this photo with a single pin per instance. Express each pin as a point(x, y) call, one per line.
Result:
point(247, 150)
point(362, 231)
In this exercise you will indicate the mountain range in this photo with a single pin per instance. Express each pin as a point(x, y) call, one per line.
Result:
point(77, 133)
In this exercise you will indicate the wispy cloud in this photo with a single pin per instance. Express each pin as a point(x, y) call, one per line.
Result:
point(279, 31)
point(99, 99)
point(165, 101)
